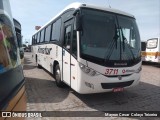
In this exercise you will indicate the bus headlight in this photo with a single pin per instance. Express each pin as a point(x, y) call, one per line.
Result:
point(88, 70)
point(93, 73)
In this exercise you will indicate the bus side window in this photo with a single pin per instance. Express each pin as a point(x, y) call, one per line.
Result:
point(42, 36)
point(67, 37)
point(33, 40)
point(56, 30)
point(38, 37)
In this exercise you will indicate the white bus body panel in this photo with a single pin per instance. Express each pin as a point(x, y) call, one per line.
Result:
point(74, 74)
point(143, 58)
point(69, 70)
point(66, 67)
point(46, 60)
point(96, 81)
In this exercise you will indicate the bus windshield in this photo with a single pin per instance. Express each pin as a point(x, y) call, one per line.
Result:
point(152, 43)
point(8, 49)
point(109, 39)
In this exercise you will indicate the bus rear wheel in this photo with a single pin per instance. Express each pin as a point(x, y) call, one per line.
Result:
point(57, 76)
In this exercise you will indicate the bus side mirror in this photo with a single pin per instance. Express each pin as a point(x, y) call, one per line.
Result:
point(68, 47)
point(78, 23)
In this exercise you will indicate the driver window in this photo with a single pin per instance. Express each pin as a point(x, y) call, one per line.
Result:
point(67, 37)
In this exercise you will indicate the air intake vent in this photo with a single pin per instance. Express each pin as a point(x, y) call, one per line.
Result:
point(116, 85)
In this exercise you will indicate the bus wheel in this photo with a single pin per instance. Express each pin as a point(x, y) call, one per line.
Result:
point(57, 77)
point(39, 66)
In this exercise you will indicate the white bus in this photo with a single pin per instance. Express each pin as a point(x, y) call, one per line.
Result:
point(153, 50)
point(143, 50)
point(91, 49)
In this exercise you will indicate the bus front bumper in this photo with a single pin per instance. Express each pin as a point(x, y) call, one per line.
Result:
point(101, 83)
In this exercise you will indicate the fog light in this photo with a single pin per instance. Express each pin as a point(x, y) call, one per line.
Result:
point(88, 70)
point(138, 70)
point(90, 85)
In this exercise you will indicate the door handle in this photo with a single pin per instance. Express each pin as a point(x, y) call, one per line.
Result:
point(66, 62)
point(72, 64)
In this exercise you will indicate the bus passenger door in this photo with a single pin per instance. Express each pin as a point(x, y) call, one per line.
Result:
point(74, 63)
point(66, 52)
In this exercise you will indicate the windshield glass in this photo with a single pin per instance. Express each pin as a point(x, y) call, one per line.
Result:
point(108, 38)
point(8, 49)
point(152, 43)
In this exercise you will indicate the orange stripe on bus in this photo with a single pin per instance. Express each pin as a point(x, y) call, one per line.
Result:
point(153, 53)
point(150, 54)
point(143, 54)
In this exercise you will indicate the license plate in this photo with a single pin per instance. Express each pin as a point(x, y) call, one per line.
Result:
point(118, 89)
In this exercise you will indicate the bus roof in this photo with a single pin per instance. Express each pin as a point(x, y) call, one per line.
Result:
point(143, 40)
point(77, 5)
point(153, 38)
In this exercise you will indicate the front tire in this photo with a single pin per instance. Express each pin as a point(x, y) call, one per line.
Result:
point(39, 66)
point(57, 76)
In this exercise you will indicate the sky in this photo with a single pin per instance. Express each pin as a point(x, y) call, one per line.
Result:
point(31, 13)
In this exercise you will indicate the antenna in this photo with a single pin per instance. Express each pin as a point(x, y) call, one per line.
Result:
point(109, 4)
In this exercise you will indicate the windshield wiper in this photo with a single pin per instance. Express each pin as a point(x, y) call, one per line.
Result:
point(123, 38)
point(112, 44)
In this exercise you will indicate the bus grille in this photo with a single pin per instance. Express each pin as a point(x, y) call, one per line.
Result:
point(118, 75)
point(116, 85)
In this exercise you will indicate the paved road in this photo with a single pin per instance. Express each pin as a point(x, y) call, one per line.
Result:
point(44, 95)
